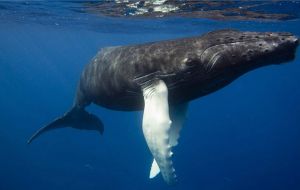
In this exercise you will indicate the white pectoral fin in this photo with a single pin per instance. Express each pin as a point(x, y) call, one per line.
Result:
point(178, 116)
point(154, 169)
point(156, 126)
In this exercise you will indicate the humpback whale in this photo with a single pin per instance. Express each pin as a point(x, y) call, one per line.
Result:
point(161, 78)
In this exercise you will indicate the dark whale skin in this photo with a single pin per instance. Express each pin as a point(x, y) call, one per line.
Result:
point(190, 67)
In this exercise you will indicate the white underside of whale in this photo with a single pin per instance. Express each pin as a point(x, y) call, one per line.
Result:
point(160, 132)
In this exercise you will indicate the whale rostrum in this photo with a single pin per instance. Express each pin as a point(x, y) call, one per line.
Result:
point(161, 78)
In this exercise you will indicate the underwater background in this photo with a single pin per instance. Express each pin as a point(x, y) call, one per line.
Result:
point(244, 136)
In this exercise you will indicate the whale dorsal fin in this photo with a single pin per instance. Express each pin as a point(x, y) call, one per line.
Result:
point(178, 117)
point(156, 126)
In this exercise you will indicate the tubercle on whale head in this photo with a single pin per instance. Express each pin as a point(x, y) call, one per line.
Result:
point(248, 50)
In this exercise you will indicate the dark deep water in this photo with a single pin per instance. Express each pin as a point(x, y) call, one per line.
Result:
point(245, 136)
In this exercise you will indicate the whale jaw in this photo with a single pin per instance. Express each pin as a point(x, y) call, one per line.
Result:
point(231, 49)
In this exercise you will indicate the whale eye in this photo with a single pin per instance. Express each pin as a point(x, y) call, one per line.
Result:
point(266, 51)
point(190, 62)
point(282, 39)
point(260, 44)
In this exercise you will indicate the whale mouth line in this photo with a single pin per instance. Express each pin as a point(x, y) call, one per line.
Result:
point(227, 43)
point(245, 41)
point(223, 44)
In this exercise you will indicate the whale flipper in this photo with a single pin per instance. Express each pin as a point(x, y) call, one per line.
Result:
point(178, 116)
point(156, 126)
point(76, 118)
point(154, 169)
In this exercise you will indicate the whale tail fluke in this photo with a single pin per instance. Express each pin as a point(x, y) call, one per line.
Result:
point(76, 118)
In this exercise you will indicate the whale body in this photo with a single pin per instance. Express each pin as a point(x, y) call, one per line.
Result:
point(161, 78)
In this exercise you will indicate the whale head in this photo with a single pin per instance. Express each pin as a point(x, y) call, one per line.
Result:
point(227, 54)
point(244, 51)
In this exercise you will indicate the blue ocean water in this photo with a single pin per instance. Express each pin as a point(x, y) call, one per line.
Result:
point(244, 136)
